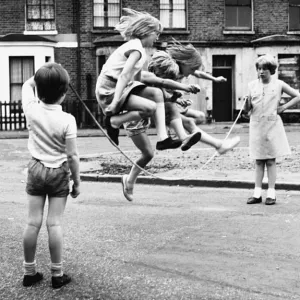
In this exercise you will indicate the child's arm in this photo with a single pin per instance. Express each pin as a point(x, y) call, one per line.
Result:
point(291, 92)
point(28, 93)
point(73, 161)
point(151, 79)
point(204, 75)
point(124, 78)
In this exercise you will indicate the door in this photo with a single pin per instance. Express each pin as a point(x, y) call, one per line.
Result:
point(222, 92)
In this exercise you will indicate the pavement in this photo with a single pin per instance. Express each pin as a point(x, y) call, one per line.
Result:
point(93, 148)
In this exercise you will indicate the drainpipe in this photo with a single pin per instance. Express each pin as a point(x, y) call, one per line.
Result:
point(76, 4)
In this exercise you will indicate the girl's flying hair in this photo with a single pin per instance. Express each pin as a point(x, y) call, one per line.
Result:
point(163, 65)
point(137, 24)
point(185, 54)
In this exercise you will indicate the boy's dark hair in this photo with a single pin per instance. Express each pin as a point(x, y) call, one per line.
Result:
point(52, 82)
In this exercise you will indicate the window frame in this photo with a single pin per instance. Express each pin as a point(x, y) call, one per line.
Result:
point(19, 84)
point(289, 17)
point(40, 10)
point(171, 16)
point(238, 28)
point(105, 16)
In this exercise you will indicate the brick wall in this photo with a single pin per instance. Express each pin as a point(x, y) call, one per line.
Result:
point(12, 16)
point(65, 16)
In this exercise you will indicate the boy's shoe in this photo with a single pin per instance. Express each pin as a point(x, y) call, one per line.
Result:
point(128, 193)
point(58, 282)
point(30, 280)
point(270, 201)
point(228, 145)
point(191, 140)
point(253, 200)
point(168, 143)
point(113, 133)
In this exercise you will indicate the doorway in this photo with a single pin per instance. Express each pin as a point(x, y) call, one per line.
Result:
point(223, 92)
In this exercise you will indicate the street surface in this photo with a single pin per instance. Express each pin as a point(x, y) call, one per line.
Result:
point(171, 243)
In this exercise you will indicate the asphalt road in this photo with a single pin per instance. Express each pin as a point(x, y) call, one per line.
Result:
point(171, 243)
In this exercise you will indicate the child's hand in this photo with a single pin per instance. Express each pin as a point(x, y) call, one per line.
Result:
point(194, 88)
point(248, 104)
point(220, 79)
point(184, 102)
point(176, 95)
point(280, 109)
point(75, 190)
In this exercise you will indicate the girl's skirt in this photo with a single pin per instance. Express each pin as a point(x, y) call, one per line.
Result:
point(105, 90)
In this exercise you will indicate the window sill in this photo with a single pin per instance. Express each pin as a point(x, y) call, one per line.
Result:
point(104, 30)
point(175, 31)
point(294, 32)
point(238, 32)
point(166, 31)
point(41, 32)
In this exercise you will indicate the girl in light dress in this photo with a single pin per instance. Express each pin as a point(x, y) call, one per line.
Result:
point(267, 137)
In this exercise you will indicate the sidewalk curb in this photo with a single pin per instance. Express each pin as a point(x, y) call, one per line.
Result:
point(236, 184)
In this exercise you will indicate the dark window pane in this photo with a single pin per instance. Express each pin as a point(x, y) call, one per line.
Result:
point(244, 3)
point(231, 16)
point(244, 17)
point(231, 2)
point(294, 18)
point(295, 2)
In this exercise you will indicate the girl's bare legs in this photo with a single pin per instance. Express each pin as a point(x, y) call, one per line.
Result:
point(142, 142)
point(259, 172)
point(259, 175)
point(198, 116)
point(220, 145)
point(156, 95)
point(147, 102)
point(271, 170)
point(175, 122)
point(138, 108)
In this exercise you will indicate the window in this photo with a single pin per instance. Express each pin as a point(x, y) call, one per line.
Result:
point(173, 14)
point(106, 13)
point(294, 15)
point(20, 69)
point(40, 15)
point(289, 72)
point(238, 15)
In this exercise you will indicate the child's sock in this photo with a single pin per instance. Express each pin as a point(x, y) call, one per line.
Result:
point(271, 193)
point(29, 268)
point(56, 269)
point(257, 192)
point(160, 121)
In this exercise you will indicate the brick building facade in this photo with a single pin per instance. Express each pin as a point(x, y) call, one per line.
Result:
point(229, 34)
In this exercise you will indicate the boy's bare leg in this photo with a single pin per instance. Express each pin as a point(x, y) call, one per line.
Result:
point(35, 218)
point(54, 222)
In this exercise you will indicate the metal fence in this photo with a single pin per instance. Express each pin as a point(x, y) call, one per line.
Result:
point(12, 116)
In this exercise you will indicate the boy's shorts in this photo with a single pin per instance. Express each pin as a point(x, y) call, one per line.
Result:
point(42, 180)
point(136, 127)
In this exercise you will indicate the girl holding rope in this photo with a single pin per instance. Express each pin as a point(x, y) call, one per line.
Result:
point(119, 91)
point(267, 138)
